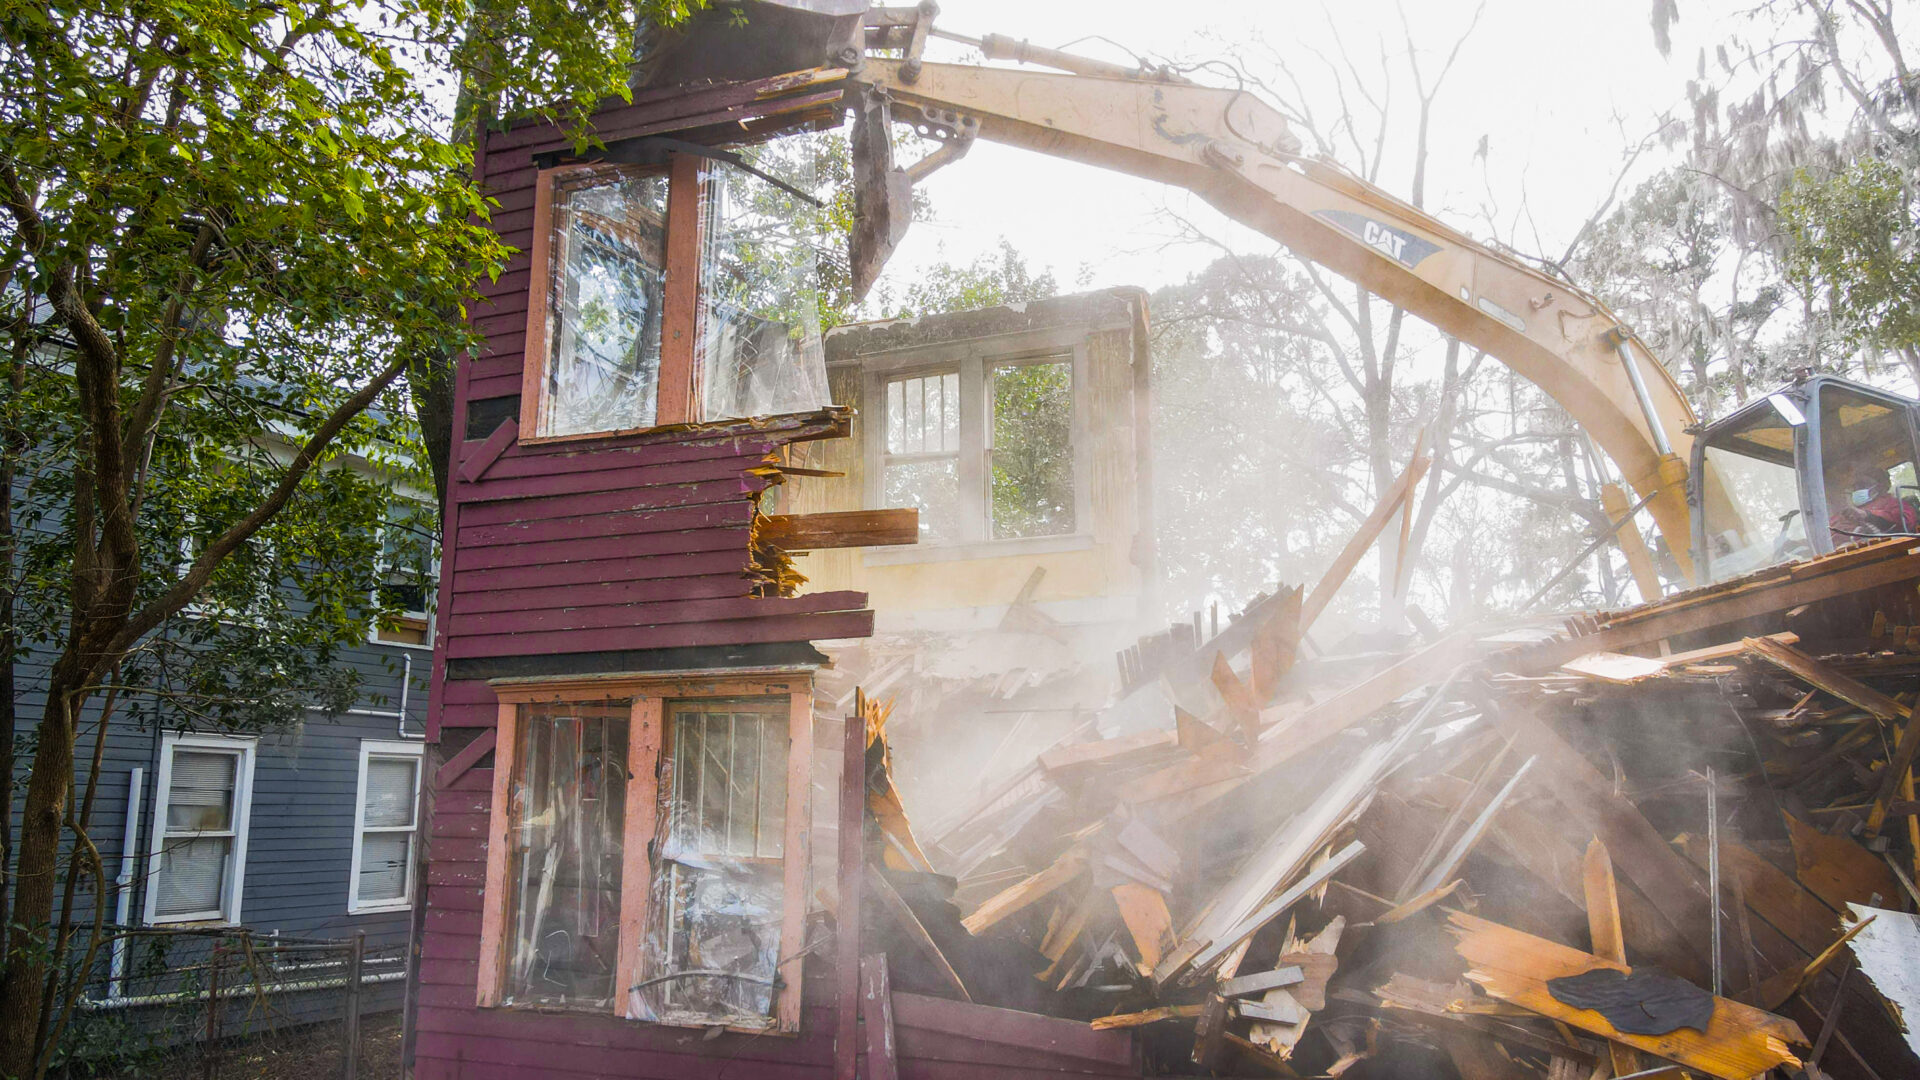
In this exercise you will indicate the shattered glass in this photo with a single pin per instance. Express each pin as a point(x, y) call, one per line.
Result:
point(712, 945)
point(758, 349)
point(565, 833)
point(605, 293)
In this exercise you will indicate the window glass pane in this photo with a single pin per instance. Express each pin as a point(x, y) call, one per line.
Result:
point(933, 486)
point(758, 349)
point(1867, 463)
point(383, 866)
point(603, 303)
point(565, 837)
point(1030, 449)
point(717, 900)
point(200, 791)
point(1766, 492)
point(193, 876)
point(390, 791)
point(923, 414)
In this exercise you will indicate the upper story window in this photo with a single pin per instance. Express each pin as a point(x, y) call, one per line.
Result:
point(985, 447)
point(409, 569)
point(674, 294)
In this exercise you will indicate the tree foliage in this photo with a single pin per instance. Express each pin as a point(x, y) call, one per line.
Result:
point(1854, 239)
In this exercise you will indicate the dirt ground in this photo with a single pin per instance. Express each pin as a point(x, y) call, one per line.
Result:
point(309, 1054)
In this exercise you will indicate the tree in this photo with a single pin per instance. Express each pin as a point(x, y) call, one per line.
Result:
point(226, 233)
point(1854, 239)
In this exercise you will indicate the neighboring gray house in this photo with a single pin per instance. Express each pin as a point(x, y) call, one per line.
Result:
point(309, 830)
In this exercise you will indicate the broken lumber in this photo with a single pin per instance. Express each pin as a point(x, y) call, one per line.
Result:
point(1609, 940)
point(1740, 1041)
point(840, 529)
point(1146, 1016)
point(1027, 892)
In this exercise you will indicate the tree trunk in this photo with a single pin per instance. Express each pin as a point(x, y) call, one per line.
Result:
point(48, 789)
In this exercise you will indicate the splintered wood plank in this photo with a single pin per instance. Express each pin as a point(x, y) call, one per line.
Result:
point(1025, 893)
point(1618, 668)
point(1814, 673)
point(1146, 1016)
point(841, 529)
point(876, 1008)
point(1239, 698)
point(1144, 911)
point(1276, 643)
point(1740, 1041)
point(1609, 940)
point(1775, 895)
point(1363, 538)
point(1838, 870)
point(904, 919)
point(1123, 749)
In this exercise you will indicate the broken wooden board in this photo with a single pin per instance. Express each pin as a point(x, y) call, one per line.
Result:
point(1617, 668)
point(1122, 750)
point(840, 529)
point(1025, 893)
point(1317, 962)
point(1837, 869)
point(1740, 1041)
point(1888, 951)
point(1144, 911)
point(1146, 1016)
point(1609, 940)
point(1260, 982)
point(1773, 894)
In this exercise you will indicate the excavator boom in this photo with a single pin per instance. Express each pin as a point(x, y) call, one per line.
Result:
point(1237, 153)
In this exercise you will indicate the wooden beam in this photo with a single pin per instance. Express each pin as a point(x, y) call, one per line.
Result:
point(1390, 503)
point(1740, 1041)
point(1814, 673)
point(459, 764)
point(852, 861)
point(1027, 892)
point(1148, 1016)
point(903, 917)
point(840, 529)
point(1609, 940)
point(677, 401)
point(876, 1008)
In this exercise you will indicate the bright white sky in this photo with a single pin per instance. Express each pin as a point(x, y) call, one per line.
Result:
point(1558, 87)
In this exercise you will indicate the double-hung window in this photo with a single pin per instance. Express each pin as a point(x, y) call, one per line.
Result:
point(385, 827)
point(673, 293)
point(199, 851)
point(647, 854)
point(988, 448)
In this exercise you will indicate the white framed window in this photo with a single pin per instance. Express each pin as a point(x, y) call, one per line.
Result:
point(198, 857)
point(409, 570)
point(386, 827)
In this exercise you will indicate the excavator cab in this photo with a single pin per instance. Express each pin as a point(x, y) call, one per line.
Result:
point(1814, 466)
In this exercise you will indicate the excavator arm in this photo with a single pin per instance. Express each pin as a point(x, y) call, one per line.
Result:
point(1236, 152)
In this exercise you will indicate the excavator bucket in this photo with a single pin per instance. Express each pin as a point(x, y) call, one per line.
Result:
point(882, 192)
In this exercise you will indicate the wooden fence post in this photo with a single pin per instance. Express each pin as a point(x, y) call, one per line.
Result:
point(350, 1015)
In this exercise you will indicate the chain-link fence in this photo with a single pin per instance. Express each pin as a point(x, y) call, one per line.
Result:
point(210, 1003)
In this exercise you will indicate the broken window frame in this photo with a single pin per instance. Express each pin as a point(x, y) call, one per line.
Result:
point(976, 361)
point(649, 699)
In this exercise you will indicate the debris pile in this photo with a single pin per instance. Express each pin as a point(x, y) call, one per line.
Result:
point(1657, 838)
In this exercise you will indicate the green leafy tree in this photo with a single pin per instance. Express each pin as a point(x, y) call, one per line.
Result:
point(1854, 238)
point(227, 234)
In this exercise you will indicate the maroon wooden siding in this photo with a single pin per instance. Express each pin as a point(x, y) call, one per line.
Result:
point(604, 546)
point(614, 547)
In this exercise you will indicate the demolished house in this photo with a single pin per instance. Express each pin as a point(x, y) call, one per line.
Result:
point(717, 589)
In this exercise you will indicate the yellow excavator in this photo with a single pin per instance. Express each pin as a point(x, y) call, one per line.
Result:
point(1816, 465)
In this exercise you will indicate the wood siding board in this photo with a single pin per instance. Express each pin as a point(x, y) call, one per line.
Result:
point(1012, 1028)
point(747, 630)
point(714, 536)
point(664, 613)
point(494, 363)
point(558, 1056)
point(663, 494)
point(559, 483)
point(659, 517)
point(603, 571)
point(556, 1029)
point(921, 1044)
point(691, 587)
point(497, 386)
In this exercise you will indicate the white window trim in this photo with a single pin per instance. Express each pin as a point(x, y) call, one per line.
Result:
point(369, 749)
point(229, 912)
